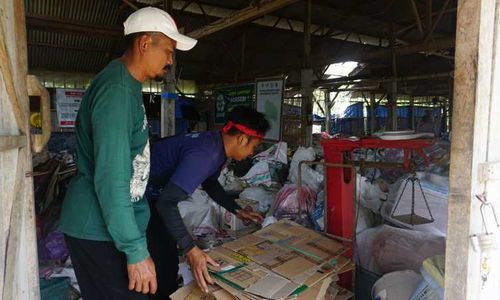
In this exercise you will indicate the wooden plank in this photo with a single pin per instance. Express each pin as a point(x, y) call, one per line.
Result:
point(243, 16)
point(19, 265)
point(12, 142)
point(473, 80)
point(5, 65)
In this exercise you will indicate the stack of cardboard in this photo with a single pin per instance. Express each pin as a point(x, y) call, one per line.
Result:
point(284, 260)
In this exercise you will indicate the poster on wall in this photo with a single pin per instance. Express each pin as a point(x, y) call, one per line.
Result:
point(67, 104)
point(229, 97)
point(269, 102)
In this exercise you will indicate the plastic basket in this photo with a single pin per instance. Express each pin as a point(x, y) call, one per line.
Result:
point(55, 289)
point(428, 289)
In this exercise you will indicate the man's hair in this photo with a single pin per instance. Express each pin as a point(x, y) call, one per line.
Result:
point(248, 117)
point(131, 38)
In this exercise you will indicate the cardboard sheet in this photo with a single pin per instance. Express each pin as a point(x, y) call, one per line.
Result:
point(283, 260)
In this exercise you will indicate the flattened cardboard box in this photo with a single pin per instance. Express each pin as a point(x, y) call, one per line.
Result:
point(278, 262)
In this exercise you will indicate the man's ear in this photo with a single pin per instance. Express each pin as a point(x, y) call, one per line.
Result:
point(242, 139)
point(144, 41)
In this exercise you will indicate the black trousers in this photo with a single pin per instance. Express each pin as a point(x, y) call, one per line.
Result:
point(163, 249)
point(101, 270)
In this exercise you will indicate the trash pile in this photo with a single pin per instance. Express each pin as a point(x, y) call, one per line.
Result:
point(51, 176)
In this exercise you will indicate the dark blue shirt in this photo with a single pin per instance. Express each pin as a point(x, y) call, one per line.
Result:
point(186, 160)
point(178, 166)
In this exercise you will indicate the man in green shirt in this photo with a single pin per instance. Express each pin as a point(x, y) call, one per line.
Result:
point(104, 215)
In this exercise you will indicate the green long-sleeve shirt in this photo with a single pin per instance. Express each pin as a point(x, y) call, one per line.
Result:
point(104, 201)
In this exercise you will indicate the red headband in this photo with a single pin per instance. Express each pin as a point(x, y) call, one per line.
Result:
point(243, 129)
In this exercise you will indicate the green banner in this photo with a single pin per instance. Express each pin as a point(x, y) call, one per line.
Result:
point(227, 98)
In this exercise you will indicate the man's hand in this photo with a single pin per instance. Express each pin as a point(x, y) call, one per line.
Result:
point(248, 216)
point(142, 276)
point(198, 260)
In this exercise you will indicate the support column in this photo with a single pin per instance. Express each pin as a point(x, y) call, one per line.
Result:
point(394, 84)
point(307, 79)
point(412, 112)
point(328, 113)
point(373, 111)
point(474, 148)
point(168, 95)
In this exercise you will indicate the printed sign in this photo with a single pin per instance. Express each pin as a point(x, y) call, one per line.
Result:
point(67, 104)
point(269, 102)
point(228, 98)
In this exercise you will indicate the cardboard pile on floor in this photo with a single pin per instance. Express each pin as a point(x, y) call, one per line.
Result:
point(284, 260)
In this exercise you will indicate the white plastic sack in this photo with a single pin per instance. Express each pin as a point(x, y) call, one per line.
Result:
point(371, 195)
point(230, 183)
point(396, 249)
point(263, 197)
point(258, 174)
point(310, 177)
point(275, 153)
point(199, 213)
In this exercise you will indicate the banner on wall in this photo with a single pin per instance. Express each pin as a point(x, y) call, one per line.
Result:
point(67, 104)
point(227, 98)
point(269, 102)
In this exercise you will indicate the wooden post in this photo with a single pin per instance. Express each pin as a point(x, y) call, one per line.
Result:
point(412, 112)
point(328, 113)
point(167, 122)
point(394, 85)
point(307, 78)
point(18, 255)
point(373, 111)
point(474, 146)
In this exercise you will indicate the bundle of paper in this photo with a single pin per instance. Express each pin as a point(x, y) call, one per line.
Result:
point(284, 260)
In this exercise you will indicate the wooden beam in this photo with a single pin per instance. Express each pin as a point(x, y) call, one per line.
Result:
point(387, 52)
point(46, 23)
point(441, 12)
point(12, 142)
point(129, 3)
point(243, 16)
point(428, 15)
point(417, 18)
point(434, 15)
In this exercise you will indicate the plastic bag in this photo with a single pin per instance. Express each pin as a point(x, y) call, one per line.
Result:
point(392, 246)
point(310, 177)
point(258, 174)
point(275, 153)
point(230, 183)
point(264, 197)
point(319, 211)
point(288, 202)
point(199, 213)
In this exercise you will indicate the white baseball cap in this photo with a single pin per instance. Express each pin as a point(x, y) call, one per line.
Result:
point(151, 19)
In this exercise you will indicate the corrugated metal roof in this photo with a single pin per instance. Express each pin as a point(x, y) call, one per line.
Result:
point(108, 12)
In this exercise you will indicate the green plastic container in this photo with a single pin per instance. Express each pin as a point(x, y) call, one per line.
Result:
point(55, 289)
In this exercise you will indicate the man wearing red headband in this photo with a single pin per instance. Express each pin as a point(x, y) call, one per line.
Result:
point(178, 166)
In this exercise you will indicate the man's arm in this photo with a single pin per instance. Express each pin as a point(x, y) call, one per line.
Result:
point(214, 189)
point(217, 193)
point(112, 133)
point(167, 208)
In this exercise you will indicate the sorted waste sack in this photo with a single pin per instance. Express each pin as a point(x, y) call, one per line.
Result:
point(310, 177)
point(289, 199)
